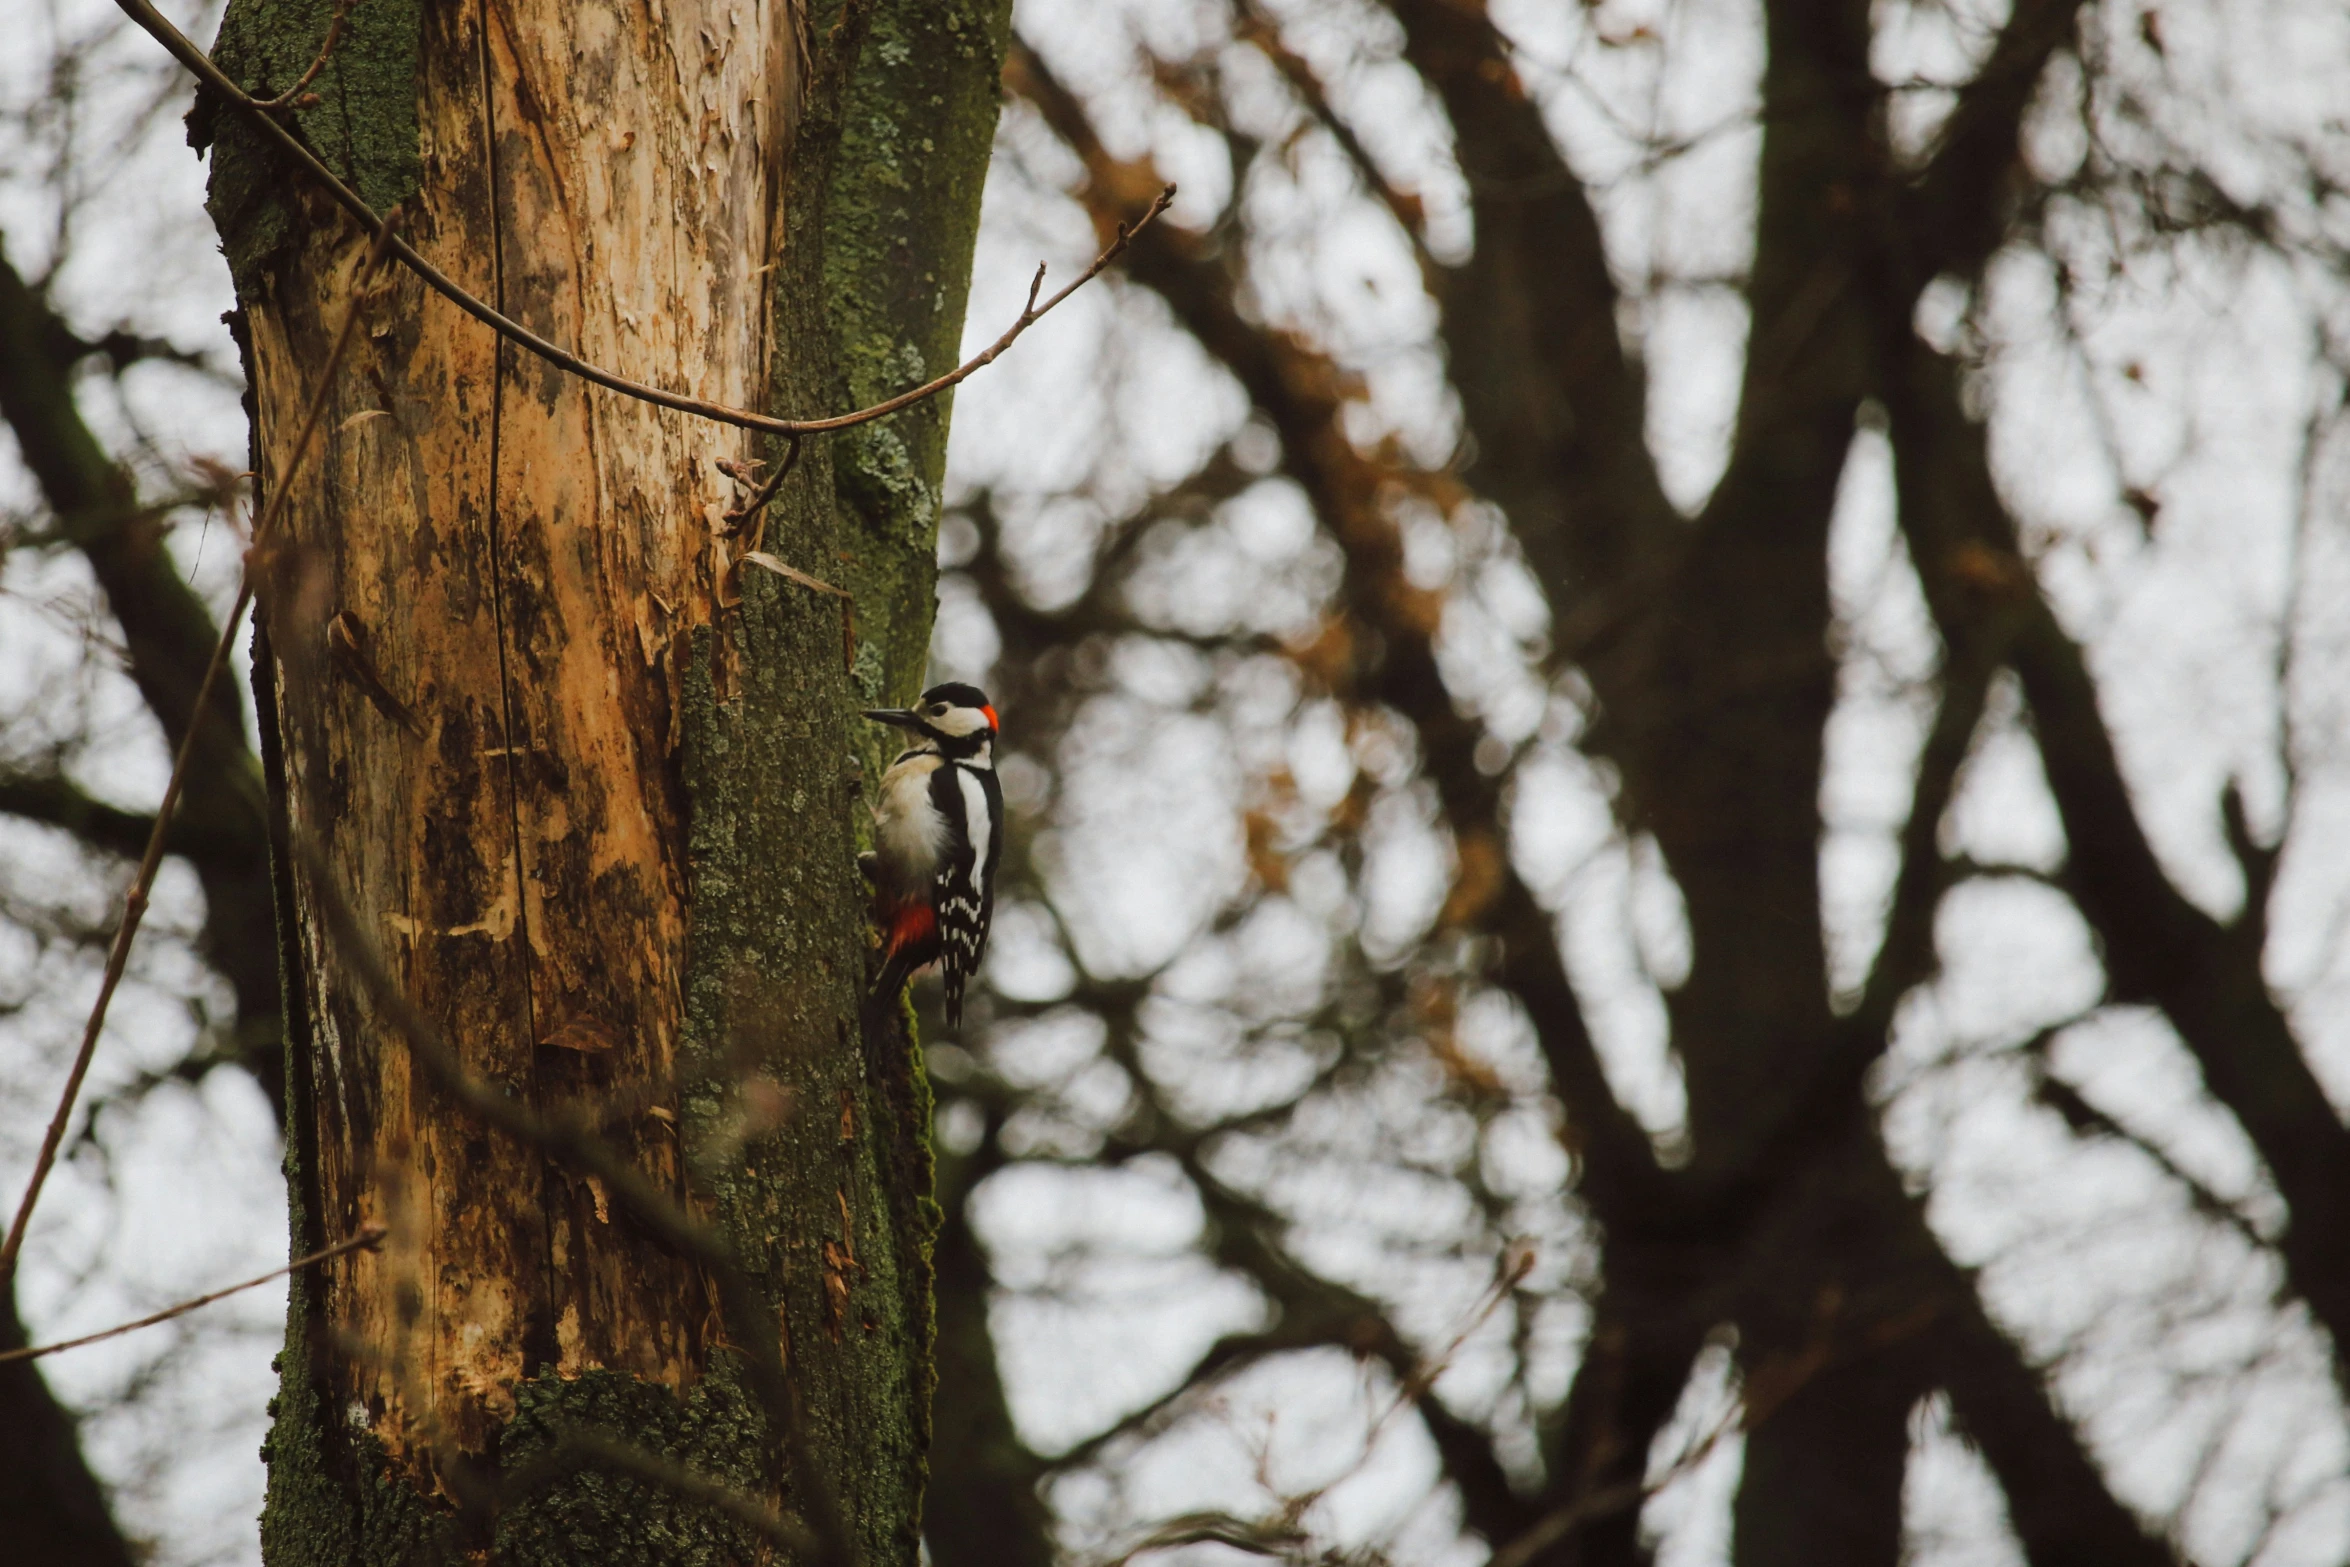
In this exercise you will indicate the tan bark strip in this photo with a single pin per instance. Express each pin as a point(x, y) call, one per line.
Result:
point(526, 564)
point(590, 512)
point(397, 534)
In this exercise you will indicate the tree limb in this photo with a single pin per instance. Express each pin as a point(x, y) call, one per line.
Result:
point(1301, 392)
point(54, 800)
point(2057, 1500)
point(1556, 408)
point(168, 634)
point(56, 1511)
point(983, 1508)
point(1953, 215)
point(2158, 946)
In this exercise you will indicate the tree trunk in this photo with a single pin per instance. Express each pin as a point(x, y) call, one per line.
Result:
point(597, 815)
point(52, 1510)
point(985, 1509)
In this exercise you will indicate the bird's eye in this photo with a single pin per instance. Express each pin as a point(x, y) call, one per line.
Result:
point(938, 710)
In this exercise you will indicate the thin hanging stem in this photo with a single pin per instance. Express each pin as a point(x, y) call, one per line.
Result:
point(182, 50)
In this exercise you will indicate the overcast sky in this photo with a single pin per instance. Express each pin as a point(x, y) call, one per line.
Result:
point(2187, 373)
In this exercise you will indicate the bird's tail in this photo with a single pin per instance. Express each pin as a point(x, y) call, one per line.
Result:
point(909, 940)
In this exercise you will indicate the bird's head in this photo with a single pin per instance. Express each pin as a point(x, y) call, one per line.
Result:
point(953, 719)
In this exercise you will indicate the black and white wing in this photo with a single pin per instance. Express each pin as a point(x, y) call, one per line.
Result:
point(966, 891)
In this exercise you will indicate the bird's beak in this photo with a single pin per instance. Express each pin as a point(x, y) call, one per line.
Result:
point(898, 717)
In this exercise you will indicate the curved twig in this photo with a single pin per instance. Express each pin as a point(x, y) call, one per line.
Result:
point(326, 51)
point(184, 51)
point(742, 516)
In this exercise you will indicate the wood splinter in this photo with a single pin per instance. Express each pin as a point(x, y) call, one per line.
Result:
point(346, 645)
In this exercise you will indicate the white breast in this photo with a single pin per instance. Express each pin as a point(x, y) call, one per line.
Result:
point(908, 831)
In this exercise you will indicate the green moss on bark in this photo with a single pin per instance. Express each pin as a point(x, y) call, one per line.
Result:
point(901, 217)
point(773, 984)
point(602, 1515)
point(539, 1506)
point(363, 126)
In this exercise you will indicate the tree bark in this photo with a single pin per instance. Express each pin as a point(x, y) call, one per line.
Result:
point(588, 788)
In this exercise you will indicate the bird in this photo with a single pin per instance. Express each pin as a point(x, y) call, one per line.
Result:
point(938, 832)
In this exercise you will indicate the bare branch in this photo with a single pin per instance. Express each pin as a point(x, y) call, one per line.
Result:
point(167, 628)
point(1593, 1506)
point(1299, 391)
point(216, 80)
point(2060, 1503)
point(1529, 325)
point(2086, 1120)
point(1233, 1353)
point(49, 797)
point(368, 1238)
point(743, 515)
point(1251, 24)
point(1905, 958)
point(135, 901)
point(1952, 216)
point(2158, 946)
point(1276, 1536)
point(168, 633)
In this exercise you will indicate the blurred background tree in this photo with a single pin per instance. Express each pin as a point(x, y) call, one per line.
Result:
point(1673, 676)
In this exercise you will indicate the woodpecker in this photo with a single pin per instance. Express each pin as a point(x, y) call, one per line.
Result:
point(938, 833)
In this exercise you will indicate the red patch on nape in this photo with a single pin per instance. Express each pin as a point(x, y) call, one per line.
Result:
point(991, 722)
